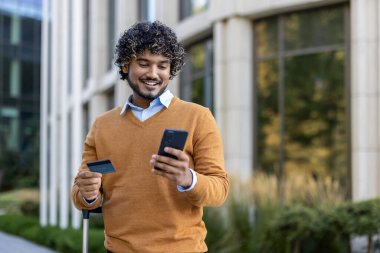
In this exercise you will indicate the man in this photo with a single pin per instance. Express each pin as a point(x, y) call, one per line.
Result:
point(152, 203)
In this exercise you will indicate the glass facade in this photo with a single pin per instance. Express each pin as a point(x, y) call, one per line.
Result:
point(20, 50)
point(191, 7)
point(196, 80)
point(302, 115)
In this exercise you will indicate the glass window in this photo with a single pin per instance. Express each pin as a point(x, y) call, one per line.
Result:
point(28, 32)
point(15, 30)
point(69, 46)
point(28, 78)
point(86, 120)
point(196, 80)
point(111, 32)
point(314, 28)
point(9, 128)
point(110, 97)
point(191, 7)
point(87, 41)
point(301, 94)
point(143, 10)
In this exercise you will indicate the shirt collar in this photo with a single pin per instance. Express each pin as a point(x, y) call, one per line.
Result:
point(164, 99)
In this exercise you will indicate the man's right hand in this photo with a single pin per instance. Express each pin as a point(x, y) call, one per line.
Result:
point(89, 184)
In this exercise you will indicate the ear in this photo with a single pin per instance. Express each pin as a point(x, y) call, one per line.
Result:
point(125, 69)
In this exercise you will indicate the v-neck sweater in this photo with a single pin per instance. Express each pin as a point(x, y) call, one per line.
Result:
point(144, 212)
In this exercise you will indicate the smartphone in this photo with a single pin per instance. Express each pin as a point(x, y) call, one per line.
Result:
point(173, 138)
point(101, 166)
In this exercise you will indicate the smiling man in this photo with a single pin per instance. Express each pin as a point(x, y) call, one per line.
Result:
point(152, 203)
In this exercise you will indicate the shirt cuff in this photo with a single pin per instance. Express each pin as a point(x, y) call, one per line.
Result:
point(195, 180)
point(90, 203)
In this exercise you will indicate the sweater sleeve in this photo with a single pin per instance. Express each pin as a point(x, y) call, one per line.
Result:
point(89, 154)
point(213, 183)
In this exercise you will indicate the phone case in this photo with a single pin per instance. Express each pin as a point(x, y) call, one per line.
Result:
point(173, 138)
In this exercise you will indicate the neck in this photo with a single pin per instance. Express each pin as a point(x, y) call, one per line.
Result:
point(140, 102)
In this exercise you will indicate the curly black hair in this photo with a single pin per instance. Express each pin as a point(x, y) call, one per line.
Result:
point(157, 38)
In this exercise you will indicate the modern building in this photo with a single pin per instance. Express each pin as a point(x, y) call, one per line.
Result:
point(20, 60)
point(293, 85)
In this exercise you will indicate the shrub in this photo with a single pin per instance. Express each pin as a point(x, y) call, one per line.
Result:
point(62, 240)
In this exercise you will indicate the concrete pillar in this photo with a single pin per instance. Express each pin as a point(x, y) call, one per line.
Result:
point(56, 73)
point(365, 45)
point(126, 12)
point(44, 116)
point(78, 74)
point(63, 202)
point(233, 60)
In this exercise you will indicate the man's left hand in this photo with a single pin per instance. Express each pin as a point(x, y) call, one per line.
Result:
point(176, 171)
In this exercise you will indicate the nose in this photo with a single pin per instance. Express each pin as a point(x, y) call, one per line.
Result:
point(153, 72)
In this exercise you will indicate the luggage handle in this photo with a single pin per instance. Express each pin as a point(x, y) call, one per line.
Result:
point(86, 218)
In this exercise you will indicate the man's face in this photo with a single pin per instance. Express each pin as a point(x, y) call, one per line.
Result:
point(148, 76)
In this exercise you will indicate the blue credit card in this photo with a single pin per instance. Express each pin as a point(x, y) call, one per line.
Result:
point(101, 166)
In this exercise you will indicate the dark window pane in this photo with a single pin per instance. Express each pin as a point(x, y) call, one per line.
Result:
point(197, 95)
point(28, 33)
point(314, 28)
point(111, 32)
point(268, 141)
point(7, 28)
point(197, 74)
point(143, 10)
point(27, 72)
point(190, 7)
point(315, 133)
point(198, 56)
point(6, 75)
point(266, 32)
point(110, 97)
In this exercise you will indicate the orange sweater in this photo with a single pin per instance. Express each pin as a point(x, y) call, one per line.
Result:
point(144, 212)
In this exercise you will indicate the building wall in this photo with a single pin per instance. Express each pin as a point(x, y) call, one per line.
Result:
point(230, 23)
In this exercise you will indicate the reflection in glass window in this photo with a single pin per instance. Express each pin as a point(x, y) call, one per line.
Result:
point(9, 128)
point(15, 30)
point(143, 10)
point(111, 32)
point(191, 7)
point(27, 78)
point(301, 97)
point(110, 97)
point(196, 80)
point(14, 82)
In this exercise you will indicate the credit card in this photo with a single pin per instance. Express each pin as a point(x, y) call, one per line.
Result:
point(101, 166)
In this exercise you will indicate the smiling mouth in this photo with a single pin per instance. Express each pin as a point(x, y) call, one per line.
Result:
point(151, 82)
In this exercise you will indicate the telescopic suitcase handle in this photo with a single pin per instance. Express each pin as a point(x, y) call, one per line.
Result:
point(86, 218)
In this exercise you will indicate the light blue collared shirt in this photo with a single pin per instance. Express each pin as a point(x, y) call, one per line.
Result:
point(154, 107)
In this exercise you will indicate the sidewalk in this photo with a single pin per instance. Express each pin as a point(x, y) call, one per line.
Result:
point(11, 243)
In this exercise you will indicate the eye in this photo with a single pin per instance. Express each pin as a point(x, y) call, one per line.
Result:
point(163, 67)
point(143, 64)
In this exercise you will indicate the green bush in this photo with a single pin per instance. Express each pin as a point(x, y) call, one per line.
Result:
point(304, 229)
point(63, 240)
point(236, 229)
point(30, 208)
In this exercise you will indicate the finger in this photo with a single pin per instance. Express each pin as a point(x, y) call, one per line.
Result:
point(89, 174)
point(163, 173)
point(89, 181)
point(181, 156)
point(165, 168)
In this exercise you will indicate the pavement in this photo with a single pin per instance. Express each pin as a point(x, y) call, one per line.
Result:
point(10, 243)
